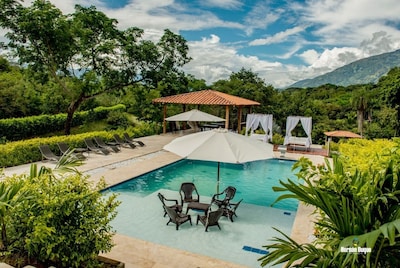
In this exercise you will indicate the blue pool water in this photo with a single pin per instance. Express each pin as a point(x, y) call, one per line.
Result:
point(253, 180)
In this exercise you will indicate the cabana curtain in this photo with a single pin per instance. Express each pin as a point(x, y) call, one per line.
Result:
point(265, 120)
point(292, 122)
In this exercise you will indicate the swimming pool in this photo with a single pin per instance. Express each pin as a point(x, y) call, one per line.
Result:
point(253, 180)
point(140, 214)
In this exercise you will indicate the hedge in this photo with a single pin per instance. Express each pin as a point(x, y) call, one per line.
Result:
point(27, 151)
point(14, 129)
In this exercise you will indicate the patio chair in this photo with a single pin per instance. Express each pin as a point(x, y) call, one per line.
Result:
point(102, 144)
point(92, 147)
point(229, 194)
point(230, 211)
point(186, 192)
point(123, 143)
point(77, 152)
point(210, 219)
point(47, 153)
point(177, 217)
point(178, 208)
point(128, 138)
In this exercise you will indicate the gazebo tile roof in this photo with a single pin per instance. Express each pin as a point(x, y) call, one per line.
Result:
point(206, 97)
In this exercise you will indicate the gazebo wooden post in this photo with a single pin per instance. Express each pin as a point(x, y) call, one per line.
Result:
point(164, 121)
point(240, 119)
point(226, 116)
point(184, 110)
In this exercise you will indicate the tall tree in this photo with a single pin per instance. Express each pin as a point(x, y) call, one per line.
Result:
point(85, 53)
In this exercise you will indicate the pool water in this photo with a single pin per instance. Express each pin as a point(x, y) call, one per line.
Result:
point(253, 180)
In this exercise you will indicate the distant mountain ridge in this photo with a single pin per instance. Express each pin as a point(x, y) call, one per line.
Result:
point(364, 71)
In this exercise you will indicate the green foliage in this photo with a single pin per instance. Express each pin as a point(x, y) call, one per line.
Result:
point(361, 206)
point(277, 139)
point(117, 119)
point(66, 220)
point(27, 151)
point(364, 155)
point(26, 127)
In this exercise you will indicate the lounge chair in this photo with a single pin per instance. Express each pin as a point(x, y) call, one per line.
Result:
point(128, 138)
point(47, 153)
point(186, 191)
point(92, 147)
point(123, 143)
point(77, 152)
point(177, 217)
point(229, 194)
point(102, 144)
point(211, 219)
point(230, 211)
point(178, 208)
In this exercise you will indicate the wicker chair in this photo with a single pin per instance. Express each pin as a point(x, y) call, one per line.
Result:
point(186, 191)
point(230, 210)
point(211, 219)
point(177, 217)
point(229, 194)
point(174, 206)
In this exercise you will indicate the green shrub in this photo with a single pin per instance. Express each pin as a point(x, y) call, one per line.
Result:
point(65, 222)
point(117, 119)
point(14, 129)
point(27, 151)
point(278, 139)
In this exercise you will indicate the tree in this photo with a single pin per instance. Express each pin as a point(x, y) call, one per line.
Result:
point(84, 52)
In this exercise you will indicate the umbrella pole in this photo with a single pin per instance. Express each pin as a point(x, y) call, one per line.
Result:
point(218, 179)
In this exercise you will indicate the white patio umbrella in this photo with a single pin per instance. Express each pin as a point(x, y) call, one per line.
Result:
point(195, 115)
point(220, 145)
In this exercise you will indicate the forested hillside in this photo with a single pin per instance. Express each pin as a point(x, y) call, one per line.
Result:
point(364, 71)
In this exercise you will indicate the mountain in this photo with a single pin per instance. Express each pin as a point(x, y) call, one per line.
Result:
point(364, 71)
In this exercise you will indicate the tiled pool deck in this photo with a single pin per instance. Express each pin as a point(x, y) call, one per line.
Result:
point(129, 163)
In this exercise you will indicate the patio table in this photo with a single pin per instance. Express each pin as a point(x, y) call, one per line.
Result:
point(198, 206)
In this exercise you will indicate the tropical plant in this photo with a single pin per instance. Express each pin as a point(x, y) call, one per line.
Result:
point(10, 195)
point(66, 220)
point(355, 209)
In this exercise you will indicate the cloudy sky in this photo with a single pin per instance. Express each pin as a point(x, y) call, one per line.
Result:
point(282, 41)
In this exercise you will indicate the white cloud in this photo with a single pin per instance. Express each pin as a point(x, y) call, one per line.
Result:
point(309, 56)
point(213, 61)
point(260, 17)
point(227, 4)
point(345, 22)
point(277, 38)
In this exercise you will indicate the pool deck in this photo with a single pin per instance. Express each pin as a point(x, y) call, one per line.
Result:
point(128, 163)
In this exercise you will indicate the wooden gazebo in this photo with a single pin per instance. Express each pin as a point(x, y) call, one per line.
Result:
point(207, 97)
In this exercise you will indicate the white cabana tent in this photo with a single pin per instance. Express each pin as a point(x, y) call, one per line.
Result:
point(253, 121)
point(291, 123)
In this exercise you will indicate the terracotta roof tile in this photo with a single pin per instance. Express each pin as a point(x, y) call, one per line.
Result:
point(206, 97)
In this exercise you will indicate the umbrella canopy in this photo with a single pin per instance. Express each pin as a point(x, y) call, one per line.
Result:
point(220, 145)
point(342, 133)
point(195, 115)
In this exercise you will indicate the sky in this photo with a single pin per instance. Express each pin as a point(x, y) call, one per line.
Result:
point(281, 41)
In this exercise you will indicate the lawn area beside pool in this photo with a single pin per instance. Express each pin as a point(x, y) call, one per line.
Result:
point(136, 252)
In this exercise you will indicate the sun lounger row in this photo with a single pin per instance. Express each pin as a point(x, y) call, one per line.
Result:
point(190, 195)
point(97, 145)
